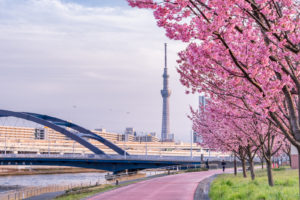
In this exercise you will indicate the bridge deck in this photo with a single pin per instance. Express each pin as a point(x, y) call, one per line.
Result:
point(105, 162)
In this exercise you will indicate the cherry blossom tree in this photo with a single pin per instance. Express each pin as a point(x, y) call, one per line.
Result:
point(250, 45)
point(239, 133)
point(226, 132)
point(255, 41)
point(271, 143)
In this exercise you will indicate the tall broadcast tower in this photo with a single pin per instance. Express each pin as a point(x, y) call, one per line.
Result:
point(165, 93)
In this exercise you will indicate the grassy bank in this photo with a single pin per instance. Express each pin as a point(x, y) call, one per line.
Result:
point(79, 193)
point(229, 187)
point(82, 192)
point(195, 170)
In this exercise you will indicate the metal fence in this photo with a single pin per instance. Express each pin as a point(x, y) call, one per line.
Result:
point(35, 191)
point(26, 192)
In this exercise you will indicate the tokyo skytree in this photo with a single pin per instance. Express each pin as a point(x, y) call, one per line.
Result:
point(165, 93)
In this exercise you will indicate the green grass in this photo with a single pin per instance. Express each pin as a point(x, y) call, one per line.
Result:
point(229, 187)
point(79, 193)
point(196, 170)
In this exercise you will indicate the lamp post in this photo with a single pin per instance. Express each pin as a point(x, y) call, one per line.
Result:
point(5, 144)
point(73, 147)
point(191, 144)
point(124, 145)
point(146, 149)
point(74, 107)
point(48, 135)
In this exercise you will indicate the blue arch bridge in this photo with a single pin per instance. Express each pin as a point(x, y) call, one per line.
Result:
point(99, 160)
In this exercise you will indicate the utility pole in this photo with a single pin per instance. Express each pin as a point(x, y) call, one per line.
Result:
point(124, 146)
point(192, 144)
point(146, 149)
point(5, 144)
point(73, 147)
point(48, 135)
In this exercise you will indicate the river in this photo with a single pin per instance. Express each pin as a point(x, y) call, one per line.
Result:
point(13, 182)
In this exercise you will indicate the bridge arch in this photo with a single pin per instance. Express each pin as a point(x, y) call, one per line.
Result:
point(57, 124)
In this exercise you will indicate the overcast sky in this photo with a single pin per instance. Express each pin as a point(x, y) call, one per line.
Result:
point(98, 63)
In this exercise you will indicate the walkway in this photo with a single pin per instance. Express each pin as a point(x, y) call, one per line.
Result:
point(174, 187)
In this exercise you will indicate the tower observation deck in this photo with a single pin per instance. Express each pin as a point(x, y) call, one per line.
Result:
point(165, 93)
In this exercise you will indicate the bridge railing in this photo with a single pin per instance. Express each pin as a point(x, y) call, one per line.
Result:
point(103, 157)
point(113, 157)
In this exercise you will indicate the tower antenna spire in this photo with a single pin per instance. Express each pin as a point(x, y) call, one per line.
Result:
point(165, 93)
point(165, 55)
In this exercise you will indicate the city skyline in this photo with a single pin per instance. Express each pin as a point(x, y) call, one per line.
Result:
point(95, 63)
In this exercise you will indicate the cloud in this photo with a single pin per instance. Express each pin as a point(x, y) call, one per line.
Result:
point(56, 54)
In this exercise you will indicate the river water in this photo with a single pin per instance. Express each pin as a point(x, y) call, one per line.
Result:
point(51, 179)
point(13, 182)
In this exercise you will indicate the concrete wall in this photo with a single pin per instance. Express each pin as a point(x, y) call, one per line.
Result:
point(294, 157)
point(295, 162)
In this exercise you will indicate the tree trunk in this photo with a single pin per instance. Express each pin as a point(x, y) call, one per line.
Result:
point(234, 164)
point(244, 168)
point(269, 170)
point(262, 163)
point(251, 169)
point(290, 159)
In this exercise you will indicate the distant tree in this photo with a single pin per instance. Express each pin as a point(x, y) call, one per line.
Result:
point(286, 148)
point(261, 158)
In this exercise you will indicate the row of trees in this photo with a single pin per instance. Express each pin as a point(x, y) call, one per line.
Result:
point(244, 54)
point(227, 128)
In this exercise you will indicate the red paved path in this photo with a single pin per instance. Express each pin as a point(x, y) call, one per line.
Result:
point(174, 187)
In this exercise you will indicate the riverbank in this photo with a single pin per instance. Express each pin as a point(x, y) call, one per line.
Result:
point(81, 193)
point(50, 184)
point(35, 185)
point(15, 171)
point(228, 186)
point(88, 192)
point(30, 185)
